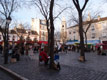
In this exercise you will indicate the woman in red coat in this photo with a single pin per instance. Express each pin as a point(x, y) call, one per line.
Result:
point(43, 56)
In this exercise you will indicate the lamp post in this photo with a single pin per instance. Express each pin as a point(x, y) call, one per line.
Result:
point(6, 31)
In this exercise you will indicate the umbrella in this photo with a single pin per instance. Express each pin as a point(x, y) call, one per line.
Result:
point(99, 44)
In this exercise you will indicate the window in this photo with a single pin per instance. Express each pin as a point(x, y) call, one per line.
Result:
point(70, 32)
point(42, 27)
point(43, 38)
point(43, 33)
point(43, 22)
point(104, 35)
point(92, 28)
point(104, 26)
point(74, 32)
point(74, 37)
point(93, 35)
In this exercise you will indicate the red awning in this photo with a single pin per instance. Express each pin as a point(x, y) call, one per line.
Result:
point(40, 42)
point(1, 42)
point(19, 41)
point(30, 42)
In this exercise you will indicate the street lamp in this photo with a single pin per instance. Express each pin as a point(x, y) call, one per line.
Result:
point(8, 20)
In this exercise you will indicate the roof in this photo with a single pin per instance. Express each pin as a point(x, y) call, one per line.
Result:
point(12, 31)
point(92, 21)
point(34, 32)
point(21, 30)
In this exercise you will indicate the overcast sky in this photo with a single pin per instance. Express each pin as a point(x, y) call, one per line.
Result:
point(25, 14)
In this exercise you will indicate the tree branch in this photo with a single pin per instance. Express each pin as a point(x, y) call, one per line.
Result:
point(61, 12)
point(86, 1)
point(76, 3)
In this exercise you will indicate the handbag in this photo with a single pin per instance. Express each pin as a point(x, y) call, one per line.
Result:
point(13, 60)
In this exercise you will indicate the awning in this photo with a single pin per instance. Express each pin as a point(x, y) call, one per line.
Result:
point(93, 41)
point(19, 41)
point(70, 43)
point(44, 42)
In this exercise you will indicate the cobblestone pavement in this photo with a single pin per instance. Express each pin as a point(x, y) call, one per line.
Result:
point(4, 76)
point(95, 68)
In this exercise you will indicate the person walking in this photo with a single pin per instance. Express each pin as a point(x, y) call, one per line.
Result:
point(99, 50)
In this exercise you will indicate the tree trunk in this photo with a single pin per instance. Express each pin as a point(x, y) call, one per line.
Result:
point(85, 38)
point(5, 52)
point(51, 35)
point(82, 53)
point(6, 44)
point(47, 23)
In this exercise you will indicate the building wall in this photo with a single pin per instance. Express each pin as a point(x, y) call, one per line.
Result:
point(63, 31)
point(35, 25)
point(11, 36)
point(97, 31)
point(41, 28)
point(72, 33)
point(104, 30)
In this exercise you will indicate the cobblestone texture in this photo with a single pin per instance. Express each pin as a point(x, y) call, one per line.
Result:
point(4, 76)
point(95, 68)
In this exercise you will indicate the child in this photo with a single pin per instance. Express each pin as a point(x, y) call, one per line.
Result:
point(56, 59)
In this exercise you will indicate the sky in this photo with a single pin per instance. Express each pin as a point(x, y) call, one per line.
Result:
point(26, 13)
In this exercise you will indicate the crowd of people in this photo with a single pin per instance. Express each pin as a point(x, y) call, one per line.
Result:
point(16, 50)
point(65, 48)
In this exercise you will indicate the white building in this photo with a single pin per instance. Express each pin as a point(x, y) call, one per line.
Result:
point(40, 27)
point(97, 30)
point(63, 30)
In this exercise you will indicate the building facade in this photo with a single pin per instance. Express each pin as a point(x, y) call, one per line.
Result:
point(97, 30)
point(40, 27)
point(63, 31)
point(17, 32)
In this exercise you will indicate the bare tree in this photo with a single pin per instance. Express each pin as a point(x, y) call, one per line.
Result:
point(44, 6)
point(51, 35)
point(7, 7)
point(44, 9)
point(80, 13)
point(87, 25)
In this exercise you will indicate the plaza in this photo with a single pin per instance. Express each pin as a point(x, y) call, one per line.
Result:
point(95, 68)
